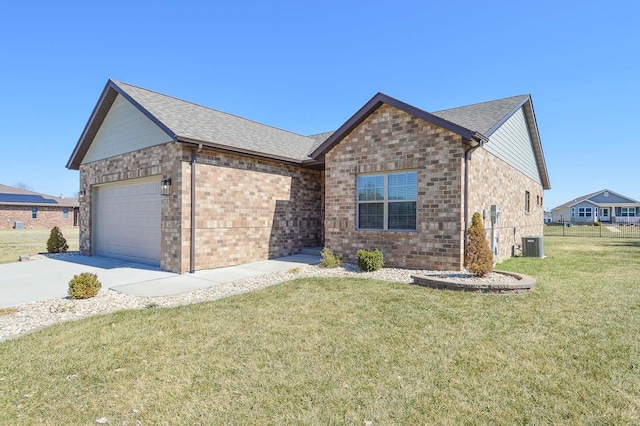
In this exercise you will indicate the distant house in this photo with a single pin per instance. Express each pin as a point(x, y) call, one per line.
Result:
point(19, 207)
point(601, 206)
point(186, 187)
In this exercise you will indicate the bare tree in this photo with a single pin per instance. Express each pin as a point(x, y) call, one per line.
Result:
point(24, 186)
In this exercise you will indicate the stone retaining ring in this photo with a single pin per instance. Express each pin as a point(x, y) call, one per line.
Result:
point(523, 284)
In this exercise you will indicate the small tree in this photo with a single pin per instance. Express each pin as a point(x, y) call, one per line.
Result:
point(56, 242)
point(478, 256)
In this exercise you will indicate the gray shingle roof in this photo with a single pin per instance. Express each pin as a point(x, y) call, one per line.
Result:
point(10, 195)
point(483, 117)
point(588, 196)
point(576, 200)
point(191, 123)
point(195, 122)
point(319, 138)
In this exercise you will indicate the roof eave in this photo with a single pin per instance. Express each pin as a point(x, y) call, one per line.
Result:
point(530, 115)
point(227, 148)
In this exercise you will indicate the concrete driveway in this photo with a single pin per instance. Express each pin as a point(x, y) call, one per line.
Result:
point(43, 279)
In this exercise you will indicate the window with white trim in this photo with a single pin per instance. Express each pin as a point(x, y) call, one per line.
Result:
point(584, 211)
point(573, 212)
point(65, 213)
point(387, 201)
point(628, 211)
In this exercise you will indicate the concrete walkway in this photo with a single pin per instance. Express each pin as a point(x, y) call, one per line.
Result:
point(43, 279)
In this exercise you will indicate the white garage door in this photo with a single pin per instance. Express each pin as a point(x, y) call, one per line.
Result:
point(127, 221)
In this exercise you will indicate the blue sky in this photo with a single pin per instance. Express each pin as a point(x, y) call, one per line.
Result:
point(308, 66)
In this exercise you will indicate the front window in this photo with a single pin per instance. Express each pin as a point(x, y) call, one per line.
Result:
point(34, 213)
point(628, 211)
point(387, 201)
point(584, 211)
point(65, 213)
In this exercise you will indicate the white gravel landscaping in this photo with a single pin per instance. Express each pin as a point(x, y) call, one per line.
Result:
point(35, 315)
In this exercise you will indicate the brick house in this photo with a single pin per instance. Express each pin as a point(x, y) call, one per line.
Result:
point(35, 210)
point(234, 191)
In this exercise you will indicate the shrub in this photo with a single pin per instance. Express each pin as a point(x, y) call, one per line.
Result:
point(329, 259)
point(597, 223)
point(56, 242)
point(370, 260)
point(84, 286)
point(478, 257)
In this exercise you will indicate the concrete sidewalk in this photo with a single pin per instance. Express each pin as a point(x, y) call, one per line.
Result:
point(210, 277)
point(43, 279)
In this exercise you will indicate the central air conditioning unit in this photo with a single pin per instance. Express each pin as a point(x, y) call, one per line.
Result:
point(533, 246)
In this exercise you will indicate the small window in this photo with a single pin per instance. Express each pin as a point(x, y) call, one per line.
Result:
point(573, 212)
point(387, 201)
point(65, 213)
point(34, 213)
point(527, 200)
point(606, 193)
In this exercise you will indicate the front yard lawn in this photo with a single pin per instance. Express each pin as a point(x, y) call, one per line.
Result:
point(348, 351)
point(17, 242)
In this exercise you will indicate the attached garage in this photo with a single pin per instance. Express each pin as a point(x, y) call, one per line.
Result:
point(126, 222)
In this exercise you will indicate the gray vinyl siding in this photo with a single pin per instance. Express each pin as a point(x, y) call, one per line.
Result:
point(592, 218)
point(125, 129)
point(512, 143)
point(612, 198)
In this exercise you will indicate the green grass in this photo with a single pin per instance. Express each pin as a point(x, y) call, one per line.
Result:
point(17, 242)
point(586, 230)
point(346, 351)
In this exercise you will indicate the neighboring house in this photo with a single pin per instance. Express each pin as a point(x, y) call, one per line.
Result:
point(601, 206)
point(34, 210)
point(392, 176)
point(547, 217)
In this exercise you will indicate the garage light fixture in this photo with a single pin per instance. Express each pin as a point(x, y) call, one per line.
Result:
point(81, 195)
point(165, 187)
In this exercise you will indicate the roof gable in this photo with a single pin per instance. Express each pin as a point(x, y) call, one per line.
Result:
point(124, 129)
point(477, 122)
point(490, 117)
point(598, 198)
point(375, 103)
point(611, 197)
point(187, 122)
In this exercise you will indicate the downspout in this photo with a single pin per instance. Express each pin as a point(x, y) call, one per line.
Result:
point(192, 253)
point(467, 157)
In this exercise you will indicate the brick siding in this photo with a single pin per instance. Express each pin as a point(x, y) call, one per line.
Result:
point(48, 217)
point(492, 181)
point(247, 209)
point(161, 161)
point(251, 209)
point(392, 140)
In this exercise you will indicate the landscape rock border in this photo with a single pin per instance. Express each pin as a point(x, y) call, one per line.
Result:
point(522, 284)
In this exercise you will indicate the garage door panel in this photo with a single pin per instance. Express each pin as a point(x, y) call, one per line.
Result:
point(127, 222)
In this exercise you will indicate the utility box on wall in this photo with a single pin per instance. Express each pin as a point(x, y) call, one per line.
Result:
point(533, 246)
